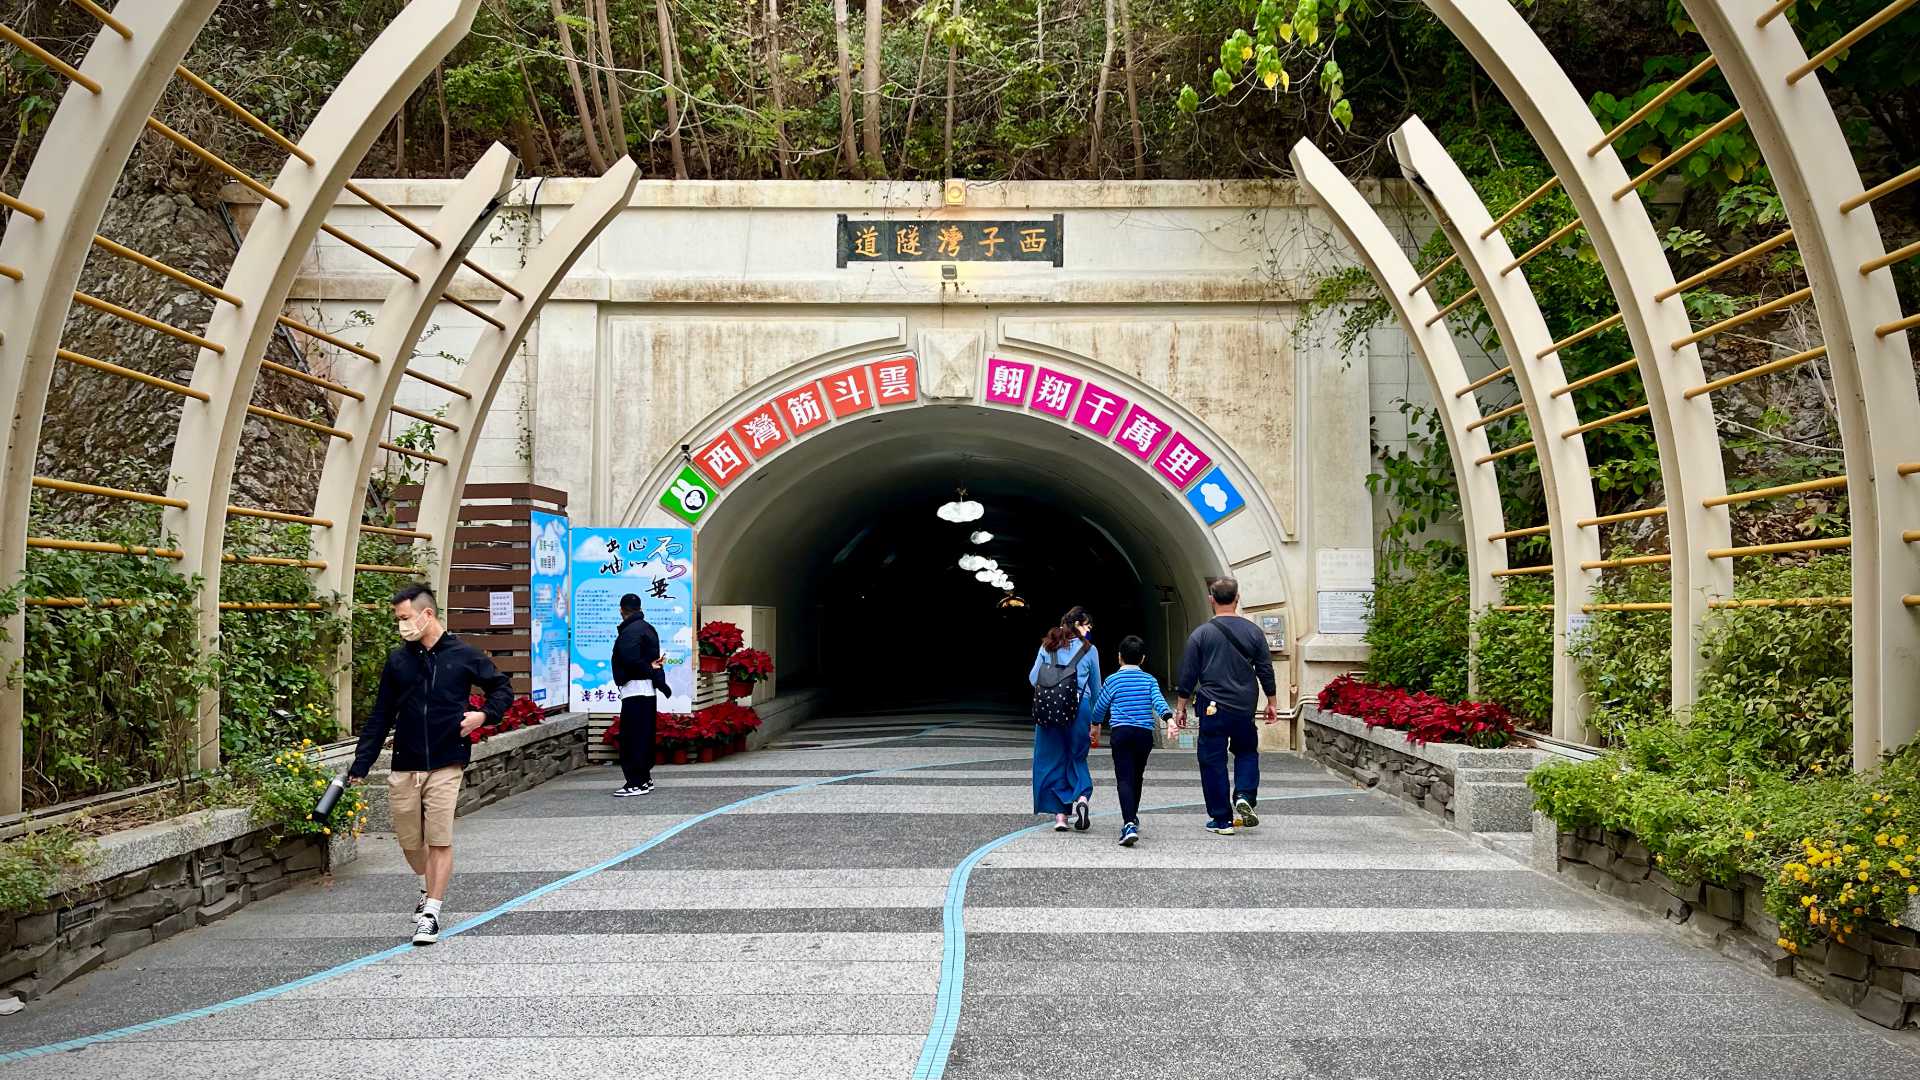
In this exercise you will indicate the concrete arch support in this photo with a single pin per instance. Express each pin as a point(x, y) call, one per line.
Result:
point(440, 502)
point(397, 328)
point(1813, 169)
point(263, 271)
point(1516, 316)
point(1622, 235)
point(71, 190)
point(1446, 375)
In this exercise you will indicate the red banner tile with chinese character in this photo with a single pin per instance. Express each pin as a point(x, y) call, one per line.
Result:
point(1053, 392)
point(1008, 382)
point(896, 381)
point(1140, 433)
point(1181, 461)
point(721, 460)
point(1099, 410)
point(759, 431)
point(848, 392)
point(804, 409)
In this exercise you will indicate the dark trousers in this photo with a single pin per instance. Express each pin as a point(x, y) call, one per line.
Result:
point(637, 716)
point(1131, 745)
point(1220, 733)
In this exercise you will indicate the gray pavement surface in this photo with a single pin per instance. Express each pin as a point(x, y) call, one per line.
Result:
point(1348, 936)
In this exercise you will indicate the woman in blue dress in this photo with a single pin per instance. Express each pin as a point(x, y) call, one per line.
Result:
point(1062, 783)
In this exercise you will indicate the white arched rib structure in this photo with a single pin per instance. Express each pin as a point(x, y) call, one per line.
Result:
point(1622, 235)
point(1878, 409)
point(396, 330)
point(440, 501)
point(93, 135)
point(263, 271)
point(1516, 316)
point(1446, 375)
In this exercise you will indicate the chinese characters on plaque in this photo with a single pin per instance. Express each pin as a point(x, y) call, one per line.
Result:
point(874, 240)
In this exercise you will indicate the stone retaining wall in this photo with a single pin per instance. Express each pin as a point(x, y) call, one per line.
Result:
point(1476, 790)
point(149, 884)
point(507, 764)
point(1426, 784)
point(1880, 980)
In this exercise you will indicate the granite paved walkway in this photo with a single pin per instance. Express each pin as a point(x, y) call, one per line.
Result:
point(801, 935)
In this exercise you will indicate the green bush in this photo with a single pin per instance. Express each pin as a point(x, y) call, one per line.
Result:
point(1625, 658)
point(281, 789)
point(1513, 653)
point(276, 666)
point(1418, 633)
point(39, 864)
point(373, 633)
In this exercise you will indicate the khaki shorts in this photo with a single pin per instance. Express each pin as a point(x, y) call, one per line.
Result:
point(422, 806)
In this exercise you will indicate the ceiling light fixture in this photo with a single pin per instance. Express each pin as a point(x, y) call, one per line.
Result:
point(981, 537)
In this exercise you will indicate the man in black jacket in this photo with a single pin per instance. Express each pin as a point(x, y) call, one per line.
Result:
point(638, 670)
point(423, 701)
point(1225, 670)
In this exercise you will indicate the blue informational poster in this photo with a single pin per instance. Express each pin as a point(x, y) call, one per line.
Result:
point(653, 564)
point(551, 601)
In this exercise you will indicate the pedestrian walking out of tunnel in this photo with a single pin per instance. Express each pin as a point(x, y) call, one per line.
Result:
point(423, 701)
point(1132, 702)
point(639, 671)
point(1065, 680)
point(1225, 669)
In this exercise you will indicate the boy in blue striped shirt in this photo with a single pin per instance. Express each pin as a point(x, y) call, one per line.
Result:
point(1136, 705)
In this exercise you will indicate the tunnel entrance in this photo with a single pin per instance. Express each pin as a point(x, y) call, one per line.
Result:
point(841, 535)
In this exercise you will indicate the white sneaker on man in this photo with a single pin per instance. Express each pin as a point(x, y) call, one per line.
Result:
point(426, 929)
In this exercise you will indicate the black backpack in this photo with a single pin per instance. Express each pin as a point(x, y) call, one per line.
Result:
point(1056, 693)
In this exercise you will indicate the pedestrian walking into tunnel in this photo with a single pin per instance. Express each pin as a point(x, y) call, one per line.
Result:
point(640, 673)
point(1065, 680)
point(1132, 702)
point(1223, 672)
point(422, 701)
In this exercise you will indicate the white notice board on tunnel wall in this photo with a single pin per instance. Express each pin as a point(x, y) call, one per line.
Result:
point(1343, 590)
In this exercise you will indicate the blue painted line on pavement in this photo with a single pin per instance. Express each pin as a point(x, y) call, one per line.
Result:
point(953, 957)
point(478, 920)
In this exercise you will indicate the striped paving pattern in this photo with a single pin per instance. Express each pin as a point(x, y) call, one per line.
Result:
point(801, 935)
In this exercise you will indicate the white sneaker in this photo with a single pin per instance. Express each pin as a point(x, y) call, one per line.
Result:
point(627, 792)
point(426, 929)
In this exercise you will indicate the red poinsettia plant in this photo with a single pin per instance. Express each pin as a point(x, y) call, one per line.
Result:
point(721, 639)
point(716, 725)
point(522, 713)
point(749, 666)
point(1424, 717)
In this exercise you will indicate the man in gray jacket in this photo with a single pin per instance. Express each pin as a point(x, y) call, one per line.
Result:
point(1224, 671)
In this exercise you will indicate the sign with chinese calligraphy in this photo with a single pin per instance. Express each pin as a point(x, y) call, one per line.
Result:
point(500, 608)
point(657, 566)
point(1344, 569)
point(891, 241)
point(896, 381)
point(1181, 461)
point(759, 431)
point(721, 460)
point(1008, 382)
point(848, 392)
point(803, 409)
point(1344, 611)
point(1140, 433)
point(548, 603)
point(1214, 497)
point(1099, 410)
point(1053, 392)
point(688, 496)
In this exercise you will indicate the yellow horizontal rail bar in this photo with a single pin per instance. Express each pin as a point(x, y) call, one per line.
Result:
point(421, 454)
point(106, 20)
point(1516, 571)
point(54, 543)
point(371, 253)
point(1515, 534)
point(1744, 317)
point(1755, 372)
point(283, 418)
point(1482, 381)
point(1896, 326)
point(1774, 10)
point(1910, 600)
point(1726, 264)
point(1589, 380)
point(1653, 103)
point(1496, 416)
point(1579, 335)
point(267, 605)
point(313, 380)
point(1732, 497)
point(1825, 543)
point(387, 530)
point(425, 418)
point(154, 381)
point(12, 272)
point(1516, 209)
point(278, 515)
point(1630, 560)
point(149, 322)
point(163, 269)
point(1653, 171)
point(1555, 237)
point(274, 560)
point(383, 568)
point(498, 282)
point(441, 383)
point(1523, 607)
point(407, 222)
point(70, 486)
point(337, 342)
point(245, 179)
point(1508, 452)
point(1427, 278)
point(240, 111)
point(1848, 40)
point(1615, 519)
point(1784, 601)
point(473, 311)
point(1606, 421)
point(1881, 190)
point(13, 37)
point(1891, 257)
point(19, 207)
point(1667, 606)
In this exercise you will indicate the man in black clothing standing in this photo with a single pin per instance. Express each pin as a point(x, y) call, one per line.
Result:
point(423, 702)
point(638, 670)
point(1225, 669)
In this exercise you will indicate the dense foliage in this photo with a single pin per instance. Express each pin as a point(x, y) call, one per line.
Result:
point(1417, 637)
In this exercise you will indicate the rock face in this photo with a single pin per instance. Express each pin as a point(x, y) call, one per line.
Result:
point(103, 428)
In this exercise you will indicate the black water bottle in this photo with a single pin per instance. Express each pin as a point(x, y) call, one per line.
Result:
point(324, 808)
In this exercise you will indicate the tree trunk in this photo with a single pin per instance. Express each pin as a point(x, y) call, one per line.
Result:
point(400, 141)
point(913, 102)
point(596, 68)
point(953, 80)
point(782, 147)
point(446, 126)
point(1133, 97)
point(870, 80)
point(843, 76)
point(540, 119)
point(523, 144)
point(594, 153)
point(615, 111)
point(1100, 97)
point(673, 90)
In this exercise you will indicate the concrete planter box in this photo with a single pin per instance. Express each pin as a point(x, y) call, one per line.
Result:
point(1475, 790)
point(507, 764)
point(150, 883)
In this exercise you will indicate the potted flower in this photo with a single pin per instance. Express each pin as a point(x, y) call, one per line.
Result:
point(718, 641)
point(744, 668)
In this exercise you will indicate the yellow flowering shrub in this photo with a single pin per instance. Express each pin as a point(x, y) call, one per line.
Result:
point(283, 787)
point(1861, 869)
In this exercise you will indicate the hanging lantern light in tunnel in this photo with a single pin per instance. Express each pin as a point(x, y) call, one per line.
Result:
point(984, 575)
point(981, 537)
point(961, 510)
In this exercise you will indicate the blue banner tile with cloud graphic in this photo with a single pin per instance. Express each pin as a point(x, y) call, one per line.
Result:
point(1215, 496)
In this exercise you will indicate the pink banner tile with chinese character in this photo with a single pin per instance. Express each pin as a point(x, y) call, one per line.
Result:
point(721, 460)
point(1053, 392)
point(760, 431)
point(1008, 382)
point(1140, 433)
point(1099, 410)
point(1181, 461)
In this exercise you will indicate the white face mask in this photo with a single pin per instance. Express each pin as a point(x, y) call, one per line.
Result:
point(411, 629)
